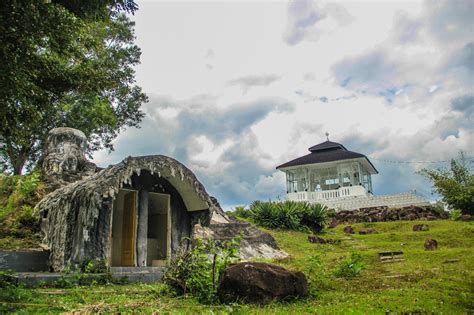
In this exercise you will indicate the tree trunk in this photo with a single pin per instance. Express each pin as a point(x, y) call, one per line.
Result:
point(17, 161)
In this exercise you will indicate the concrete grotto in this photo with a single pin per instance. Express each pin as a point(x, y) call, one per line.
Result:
point(134, 214)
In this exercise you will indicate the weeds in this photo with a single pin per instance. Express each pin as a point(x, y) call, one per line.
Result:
point(196, 271)
point(350, 267)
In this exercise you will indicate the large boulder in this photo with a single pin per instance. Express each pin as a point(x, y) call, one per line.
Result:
point(260, 283)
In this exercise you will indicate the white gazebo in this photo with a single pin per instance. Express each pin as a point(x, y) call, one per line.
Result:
point(329, 172)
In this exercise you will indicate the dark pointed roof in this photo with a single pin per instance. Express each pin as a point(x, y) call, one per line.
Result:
point(327, 151)
point(327, 145)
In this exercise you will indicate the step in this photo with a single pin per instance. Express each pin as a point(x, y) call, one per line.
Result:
point(136, 269)
point(128, 274)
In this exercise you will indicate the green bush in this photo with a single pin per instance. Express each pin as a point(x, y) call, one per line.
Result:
point(455, 214)
point(456, 184)
point(241, 212)
point(18, 190)
point(289, 215)
point(350, 267)
point(89, 265)
point(315, 217)
point(196, 271)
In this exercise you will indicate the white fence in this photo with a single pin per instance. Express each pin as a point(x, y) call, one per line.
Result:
point(313, 196)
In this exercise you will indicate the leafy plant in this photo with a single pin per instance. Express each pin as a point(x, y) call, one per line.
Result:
point(241, 212)
point(315, 217)
point(93, 266)
point(289, 214)
point(197, 270)
point(350, 267)
point(316, 273)
point(455, 214)
point(456, 184)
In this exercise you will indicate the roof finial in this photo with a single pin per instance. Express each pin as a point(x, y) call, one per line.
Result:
point(327, 136)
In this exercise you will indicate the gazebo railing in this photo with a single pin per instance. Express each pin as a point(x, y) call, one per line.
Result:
point(327, 194)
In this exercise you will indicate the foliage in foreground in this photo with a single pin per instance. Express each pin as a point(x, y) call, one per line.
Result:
point(290, 215)
point(436, 282)
point(350, 267)
point(18, 196)
point(456, 184)
point(197, 271)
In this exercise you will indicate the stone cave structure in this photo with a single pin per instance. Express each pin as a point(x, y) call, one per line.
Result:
point(136, 213)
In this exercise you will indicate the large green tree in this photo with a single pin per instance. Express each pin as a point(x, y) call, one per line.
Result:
point(456, 184)
point(65, 63)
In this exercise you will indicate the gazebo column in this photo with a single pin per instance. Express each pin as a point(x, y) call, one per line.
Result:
point(142, 228)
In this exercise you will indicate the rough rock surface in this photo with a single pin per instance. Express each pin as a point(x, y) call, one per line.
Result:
point(381, 214)
point(77, 216)
point(334, 222)
point(349, 229)
point(465, 217)
point(320, 240)
point(64, 160)
point(260, 283)
point(367, 231)
point(254, 243)
point(316, 239)
point(421, 227)
point(431, 244)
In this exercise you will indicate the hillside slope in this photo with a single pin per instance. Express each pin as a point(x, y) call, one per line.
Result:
point(439, 281)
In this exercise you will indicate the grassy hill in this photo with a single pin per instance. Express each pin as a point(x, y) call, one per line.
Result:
point(440, 281)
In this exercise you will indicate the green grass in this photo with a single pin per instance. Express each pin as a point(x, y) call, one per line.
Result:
point(423, 282)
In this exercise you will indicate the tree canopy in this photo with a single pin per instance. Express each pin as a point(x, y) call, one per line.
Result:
point(65, 63)
point(456, 184)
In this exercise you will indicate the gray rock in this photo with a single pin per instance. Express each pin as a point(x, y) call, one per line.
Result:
point(421, 227)
point(367, 231)
point(431, 244)
point(348, 230)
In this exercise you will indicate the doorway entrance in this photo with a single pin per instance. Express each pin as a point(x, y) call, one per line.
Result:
point(124, 238)
point(159, 229)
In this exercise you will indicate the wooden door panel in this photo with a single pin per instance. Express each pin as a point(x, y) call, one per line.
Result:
point(128, 228)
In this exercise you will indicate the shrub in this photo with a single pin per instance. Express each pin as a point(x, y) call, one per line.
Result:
point(197, 270)
point(455, 214)
point(289, 214)
point(315, 217)
point(456, 184)
point(89, 265)
point(241, 212)
point(349, 267)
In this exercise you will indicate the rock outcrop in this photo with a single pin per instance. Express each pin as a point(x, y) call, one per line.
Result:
point(260, 283)
point(382, 214)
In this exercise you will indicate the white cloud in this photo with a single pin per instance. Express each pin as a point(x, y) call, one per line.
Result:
point(237, 88)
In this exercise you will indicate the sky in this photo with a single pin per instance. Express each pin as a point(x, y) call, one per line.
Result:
point(237, 88)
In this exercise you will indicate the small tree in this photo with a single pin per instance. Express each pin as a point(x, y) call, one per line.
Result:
point(456, 184)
